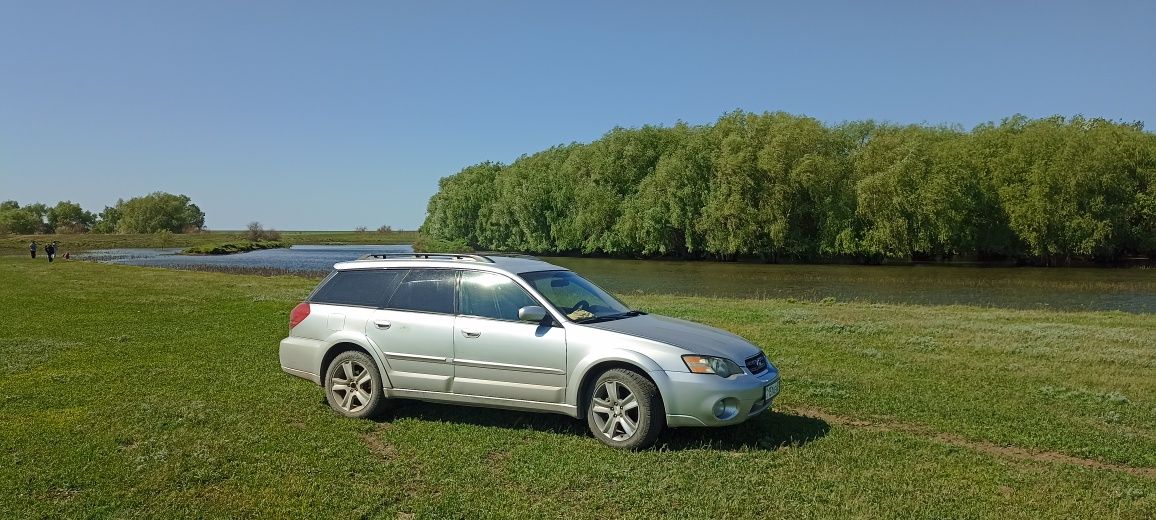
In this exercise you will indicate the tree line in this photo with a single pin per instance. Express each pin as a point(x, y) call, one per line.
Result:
point(150, 213)
point(778, 186)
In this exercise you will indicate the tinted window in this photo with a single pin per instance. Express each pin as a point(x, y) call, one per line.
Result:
point(366, 288)
point(491, 295)
point(426, 290)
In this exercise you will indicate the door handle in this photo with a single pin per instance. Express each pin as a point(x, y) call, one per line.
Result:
point(471, 334)
point(381, 324)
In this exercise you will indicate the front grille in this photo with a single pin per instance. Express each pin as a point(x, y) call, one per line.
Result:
point(757, 364)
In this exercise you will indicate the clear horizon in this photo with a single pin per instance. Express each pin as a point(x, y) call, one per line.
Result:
point(309, 116)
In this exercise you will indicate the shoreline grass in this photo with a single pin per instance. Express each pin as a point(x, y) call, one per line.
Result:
point(130, 391)
point(232, 248)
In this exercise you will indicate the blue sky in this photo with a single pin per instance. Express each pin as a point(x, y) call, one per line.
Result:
point(331, 115)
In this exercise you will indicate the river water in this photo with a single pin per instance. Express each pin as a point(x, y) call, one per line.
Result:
point(302, 258)
point(1129, 290)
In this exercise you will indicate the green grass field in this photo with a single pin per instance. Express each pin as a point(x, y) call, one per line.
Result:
point(129, 391)
point(18, 244)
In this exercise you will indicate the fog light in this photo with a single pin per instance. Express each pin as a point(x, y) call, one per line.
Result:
point(725, 409)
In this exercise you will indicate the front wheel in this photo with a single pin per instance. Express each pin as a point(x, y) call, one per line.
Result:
point(625, 410)
point(353, 386)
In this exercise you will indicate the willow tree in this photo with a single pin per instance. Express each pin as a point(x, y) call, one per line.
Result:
point(1069, 187)
point(662, 216)
point(776, 185)
point(462, 204)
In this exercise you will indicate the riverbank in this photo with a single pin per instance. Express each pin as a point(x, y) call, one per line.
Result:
point(887, 410)
point(232, 248)
point(74, 243)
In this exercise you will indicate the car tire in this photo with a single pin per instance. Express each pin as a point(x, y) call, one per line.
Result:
point(624, 410)
point(353, 386)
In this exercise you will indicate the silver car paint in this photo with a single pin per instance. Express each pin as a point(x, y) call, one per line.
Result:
point(522, 365)
point(692, 337)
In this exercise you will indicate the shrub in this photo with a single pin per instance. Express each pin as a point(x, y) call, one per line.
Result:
point(233, 247)
point(256, 233)
point(428, 244)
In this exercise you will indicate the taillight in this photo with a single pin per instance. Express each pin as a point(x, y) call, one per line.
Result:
point(299, 313)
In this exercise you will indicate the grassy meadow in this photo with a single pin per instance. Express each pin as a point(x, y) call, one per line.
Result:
point(128, 391)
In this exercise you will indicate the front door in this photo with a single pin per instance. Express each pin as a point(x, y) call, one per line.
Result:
point(495, 354)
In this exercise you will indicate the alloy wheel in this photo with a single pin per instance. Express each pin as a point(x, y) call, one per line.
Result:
point(615, 410)
point(352, 385)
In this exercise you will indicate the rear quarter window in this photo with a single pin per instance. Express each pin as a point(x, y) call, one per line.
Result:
point(365, 288)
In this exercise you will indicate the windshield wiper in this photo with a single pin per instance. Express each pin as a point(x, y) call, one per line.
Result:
point(611, 317)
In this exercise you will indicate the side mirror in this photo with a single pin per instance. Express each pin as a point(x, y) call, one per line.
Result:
point(532, 313)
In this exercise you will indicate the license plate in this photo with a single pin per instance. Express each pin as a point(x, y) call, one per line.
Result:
point(770, 391)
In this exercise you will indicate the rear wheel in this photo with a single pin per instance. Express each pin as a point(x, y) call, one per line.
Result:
point(353, 386)
point(624, 410)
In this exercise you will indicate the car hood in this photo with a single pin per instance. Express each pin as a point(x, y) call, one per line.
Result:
point(692, 337)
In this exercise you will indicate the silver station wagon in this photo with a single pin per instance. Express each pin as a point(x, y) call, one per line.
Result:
point(520, 333)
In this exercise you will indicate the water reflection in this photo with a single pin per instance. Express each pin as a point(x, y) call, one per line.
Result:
point(1128, 290)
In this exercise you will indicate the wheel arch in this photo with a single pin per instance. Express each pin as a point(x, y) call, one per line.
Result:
point(345, 345)
point(591, 372)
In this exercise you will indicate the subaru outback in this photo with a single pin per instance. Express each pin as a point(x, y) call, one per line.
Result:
point(519, 333)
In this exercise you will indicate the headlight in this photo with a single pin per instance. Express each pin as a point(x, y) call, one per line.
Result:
point(721, 367)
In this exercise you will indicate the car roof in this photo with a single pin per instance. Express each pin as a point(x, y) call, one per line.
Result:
point(509, 263)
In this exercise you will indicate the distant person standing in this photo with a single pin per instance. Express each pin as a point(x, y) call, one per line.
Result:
point(50, 250)
point(32, 249)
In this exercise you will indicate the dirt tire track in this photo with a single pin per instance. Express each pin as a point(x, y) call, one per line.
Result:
point(986, 447)
point(378, 447)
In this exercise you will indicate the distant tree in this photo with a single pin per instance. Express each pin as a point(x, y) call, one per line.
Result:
point(18, 220)
point(157, 211)
point(69, 217)
point(39, 213)
point(385, 229)
point(255, 232)
point(360, 229)
point(107, 220)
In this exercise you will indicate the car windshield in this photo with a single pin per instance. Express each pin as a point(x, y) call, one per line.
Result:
point(576, 297)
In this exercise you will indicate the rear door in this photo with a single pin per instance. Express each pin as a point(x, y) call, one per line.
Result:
point(344, 302)
point(495, 354)
point(415, 330)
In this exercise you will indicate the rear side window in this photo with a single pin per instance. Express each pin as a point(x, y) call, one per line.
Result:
point(425, 290)
point(491, 295)
point(366, 288)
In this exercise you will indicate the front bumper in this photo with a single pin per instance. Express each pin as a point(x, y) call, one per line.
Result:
point(693, 399)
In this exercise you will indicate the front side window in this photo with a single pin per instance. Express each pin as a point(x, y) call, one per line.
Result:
point(491, 295)
point(577, 298)
point(366, 288)
point(425, 290)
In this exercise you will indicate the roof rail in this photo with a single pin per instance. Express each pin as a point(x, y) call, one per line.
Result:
point(425, 256)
